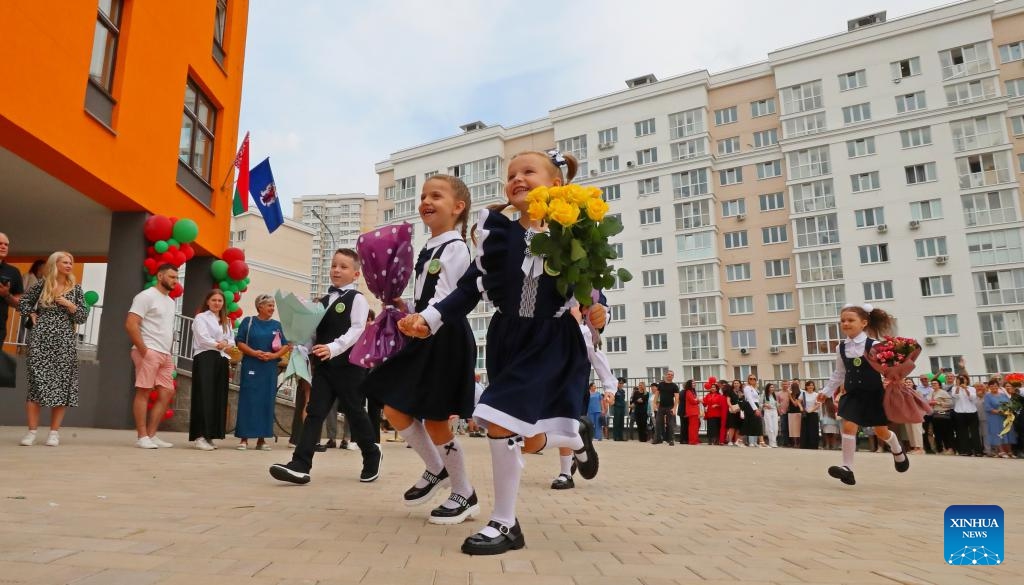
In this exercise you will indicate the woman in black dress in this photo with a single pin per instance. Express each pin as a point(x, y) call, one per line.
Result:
point(638, 404)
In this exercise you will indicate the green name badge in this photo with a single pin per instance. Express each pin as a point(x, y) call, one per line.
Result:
point(339, 308)
point(434, 267)
point(857, 361)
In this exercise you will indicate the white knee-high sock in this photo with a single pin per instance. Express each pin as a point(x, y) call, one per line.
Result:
point(566, 463)
point(895, 446)
point(415, 435)
point(849, 448)
point(565, 441)
point(507, 468)
point(452, 455)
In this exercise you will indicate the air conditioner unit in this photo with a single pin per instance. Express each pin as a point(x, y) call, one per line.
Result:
point(941, 259)
point(630, 163)
point(929, 340)
point(605, 145)
point(593, 173)
point(744, 351)
point(915, 223)
point(882, 228)
point(741, 217)
point(774, 349)
point(897, 79)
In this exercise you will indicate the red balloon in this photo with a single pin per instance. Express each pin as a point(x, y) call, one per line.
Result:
point(150, 251)
point(232, 254)
point(708, 385)
point(177, 291)
point(153, 395)
point(150, 264)
point(169, 414)
point(158, 227)
point(179, 258)
point(238, 269)
point(189, 251)
point(167, 257)
point(237, 297)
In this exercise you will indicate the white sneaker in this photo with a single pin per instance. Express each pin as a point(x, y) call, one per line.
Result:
point(146, 443)
point(53, 439)
point(29, 439)
point(203, 445)
point(161, 444)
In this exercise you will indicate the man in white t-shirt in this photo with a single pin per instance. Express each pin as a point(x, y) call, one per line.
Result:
point(150, 326)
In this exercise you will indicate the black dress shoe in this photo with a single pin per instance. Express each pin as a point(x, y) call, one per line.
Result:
point(415, 496)
point(843, 474)
point(508, 539)
point(330, 444)
point(588, 468)
point(902, 466)
point(371, 465)
point(288, 473)
point(320, 448)
point(466, 509)
point(342, 445)
point(563, 482)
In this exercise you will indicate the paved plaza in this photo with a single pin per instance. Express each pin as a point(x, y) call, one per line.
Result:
point(96, 511)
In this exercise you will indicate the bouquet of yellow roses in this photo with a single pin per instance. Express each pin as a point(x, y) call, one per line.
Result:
point(575, 247)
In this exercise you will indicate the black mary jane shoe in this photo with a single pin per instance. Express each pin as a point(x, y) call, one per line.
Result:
point(415, 496)
point(508, 539)
point(563, 482)
point(588, 468)
point(901, 466)
point(843, 474)
point(467, 509)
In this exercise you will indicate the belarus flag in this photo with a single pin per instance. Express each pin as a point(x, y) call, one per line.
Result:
point(240, 203)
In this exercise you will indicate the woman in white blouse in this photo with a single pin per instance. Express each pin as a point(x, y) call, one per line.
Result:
point(211, 336)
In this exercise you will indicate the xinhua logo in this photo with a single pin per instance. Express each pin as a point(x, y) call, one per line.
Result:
point(974, 535)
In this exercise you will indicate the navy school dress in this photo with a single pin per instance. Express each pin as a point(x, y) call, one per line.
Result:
point(430, 378)
point(862, 402)
point(536, 357)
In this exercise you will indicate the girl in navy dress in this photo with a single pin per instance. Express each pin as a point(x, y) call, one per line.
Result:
point(861, 405)
point(536, 358)
point(432, 379)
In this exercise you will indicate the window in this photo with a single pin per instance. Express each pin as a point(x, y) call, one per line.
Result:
point(762, 107)
point(905, 68)
point(624, 373)
point(925, 210)
point(869, 217)
point(725, 116)
point(650, 247)
point(700, 345)
point(812, 162)
point(813, 196)
point(1020, 162)
point(736, 239)
point(922, 173)
point(805, 125)
point(988, 208)
point(615, 344)
point(994, 362)
point(772, 201)
point(966, 60)
point(1002, 329)
point(999, 287)
point(916, 137)
point(853, 80)
point(730, 176)
point(695, 246)
point(647, 156)
point(775, 234)
point(616, 313)
point(650, 215)
point(689, 149)
point(1011, 52)
point(818, 230)
point(820, 265)
point(698, 312)
point(822, 339)
point(690, 183)
point(608, 136)
point(240, 236)
point(745, 338)
point(857, 113)
point(801, 98)
point(735, 272)
point(611, 193)
point(577, 146)
point(741, 305)
point(648, 186)
point(656, 341)
point(1017, 123)
point(617, 249)
point(780, 302)
point(776, 268)
point(688, 123)
point(608, 164)
point(219, 27)
point(618, 284)
point(104, 44)
point(1015, 87)
point(654, 310)
point(783, 335)
point(995, 247)
point(477, 171)
point(697, 278)
point(860, 147)
point(693, 215)
point(766, 138)
point(729, 145)
point(979, 132)
point(910, 102)
point(654, 277)
point(941, 325)
point(195, 148)
point(934, 286)
point(786, 371)
point(970, 91)
point(873, 253)
point(734, 207)
point(821, 302)
point(982, 170)
point(644, 127)
point(767, 170)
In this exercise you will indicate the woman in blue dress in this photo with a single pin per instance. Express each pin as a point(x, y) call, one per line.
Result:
point(262, 343)
point(994, 421)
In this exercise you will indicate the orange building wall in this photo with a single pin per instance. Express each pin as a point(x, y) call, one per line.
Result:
point(133, 168)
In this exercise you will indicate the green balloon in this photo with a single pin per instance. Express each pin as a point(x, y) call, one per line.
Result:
point(172, 242)
point(219, 270)
point(91, 298)
point(161, 246)
point(942, 378)
point(232, 307)
point(225, 286)
point(185, 230)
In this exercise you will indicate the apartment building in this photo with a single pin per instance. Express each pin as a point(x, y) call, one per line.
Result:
point(881, 164)
point(336, 221)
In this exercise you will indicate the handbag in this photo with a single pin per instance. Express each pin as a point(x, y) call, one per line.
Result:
point(26, 320)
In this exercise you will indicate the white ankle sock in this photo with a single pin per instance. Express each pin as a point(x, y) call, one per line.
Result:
point(452, 455)
point(415, 435)
point(566, 463)
point(896, 447)
point(849, 448)
point(507, 468)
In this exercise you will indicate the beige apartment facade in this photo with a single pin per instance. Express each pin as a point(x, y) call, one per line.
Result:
point(277, 261)
point(336, 220)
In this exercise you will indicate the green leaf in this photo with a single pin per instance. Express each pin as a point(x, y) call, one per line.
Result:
point(624, 275)
point(583, 287)
point(584, 300)
point(572, 274)
point(610, 226)
point(562, 286)
point(577, 252)
point(540, 244)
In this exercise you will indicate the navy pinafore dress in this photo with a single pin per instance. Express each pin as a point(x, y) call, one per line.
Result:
point(862, 402)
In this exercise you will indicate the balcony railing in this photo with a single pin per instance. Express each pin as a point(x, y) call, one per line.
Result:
point(973, 141)
point(1004, 296)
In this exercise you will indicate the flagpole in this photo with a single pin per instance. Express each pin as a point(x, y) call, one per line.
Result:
point(235, 163)
point(231, 170)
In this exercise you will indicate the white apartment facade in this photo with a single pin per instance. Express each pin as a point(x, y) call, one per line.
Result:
point(336, 221)
point(882, 164)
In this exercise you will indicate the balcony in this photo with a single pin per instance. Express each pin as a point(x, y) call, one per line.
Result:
point(1002, 338)
point(974, 141)
point(1004, 296)
point(985, 178)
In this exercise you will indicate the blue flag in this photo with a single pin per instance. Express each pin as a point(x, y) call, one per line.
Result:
point(264, 194)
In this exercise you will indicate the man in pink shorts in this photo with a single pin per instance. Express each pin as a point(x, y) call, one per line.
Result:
point(150, 326)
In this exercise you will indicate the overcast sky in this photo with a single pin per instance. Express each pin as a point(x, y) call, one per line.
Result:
point(332, 87)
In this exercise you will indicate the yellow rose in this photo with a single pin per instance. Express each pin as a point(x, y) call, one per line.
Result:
point(538, 210)
point(557, 193)
point(596, 208)
point(563, 212)
point(538, 194)
point(578, 195)
point(595, 193)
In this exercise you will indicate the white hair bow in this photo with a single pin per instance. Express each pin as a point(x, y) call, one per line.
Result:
point(867, 307)
point(559, 161)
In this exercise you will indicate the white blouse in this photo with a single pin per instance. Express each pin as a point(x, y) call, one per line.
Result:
point(454, 263)
point(207, 332)
point(854, 349)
